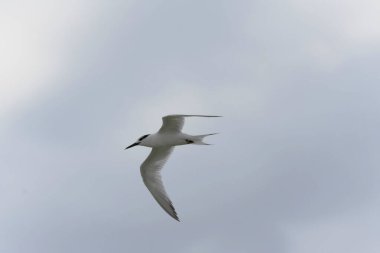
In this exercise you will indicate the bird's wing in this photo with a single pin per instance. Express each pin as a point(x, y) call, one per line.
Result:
point(174, 123)
point(150, 172)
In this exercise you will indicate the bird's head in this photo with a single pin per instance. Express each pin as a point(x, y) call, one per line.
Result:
point(138, 142)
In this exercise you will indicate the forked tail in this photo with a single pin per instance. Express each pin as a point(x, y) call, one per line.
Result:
point(198, 139)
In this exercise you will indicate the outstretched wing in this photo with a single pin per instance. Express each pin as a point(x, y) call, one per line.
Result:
point(150, 171)
point(174, 123)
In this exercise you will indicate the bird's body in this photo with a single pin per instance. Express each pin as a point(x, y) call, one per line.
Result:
point(166, 139)
point(171, 139)
point(162, 144)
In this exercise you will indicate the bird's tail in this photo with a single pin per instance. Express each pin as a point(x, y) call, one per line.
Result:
point(198, 139)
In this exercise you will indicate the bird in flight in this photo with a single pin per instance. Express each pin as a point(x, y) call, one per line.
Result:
point(162, 144)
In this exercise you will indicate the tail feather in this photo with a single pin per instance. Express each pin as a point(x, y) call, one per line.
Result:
point(198, 139)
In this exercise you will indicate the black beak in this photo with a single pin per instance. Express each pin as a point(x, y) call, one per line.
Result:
point(134, 144)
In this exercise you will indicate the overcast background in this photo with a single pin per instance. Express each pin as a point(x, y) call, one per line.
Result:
point(294, 169)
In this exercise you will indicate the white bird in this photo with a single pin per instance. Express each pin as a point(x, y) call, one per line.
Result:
point(162, 144)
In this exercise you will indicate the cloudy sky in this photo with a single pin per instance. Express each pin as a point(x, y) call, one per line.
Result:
point(294, 169)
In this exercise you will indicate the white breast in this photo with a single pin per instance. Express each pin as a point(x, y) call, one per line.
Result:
point(165, 139)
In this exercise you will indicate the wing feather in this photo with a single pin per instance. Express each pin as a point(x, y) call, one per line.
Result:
point(175, 122)
point(150, 171)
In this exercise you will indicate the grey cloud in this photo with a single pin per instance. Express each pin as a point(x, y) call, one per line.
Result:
point(302, 151)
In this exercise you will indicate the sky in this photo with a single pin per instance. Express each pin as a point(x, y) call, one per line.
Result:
point(294, 169)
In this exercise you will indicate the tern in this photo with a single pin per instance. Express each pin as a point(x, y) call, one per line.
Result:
point(162, 144)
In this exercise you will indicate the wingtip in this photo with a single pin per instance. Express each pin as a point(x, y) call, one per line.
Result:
point(176, 217)
point(174, 214)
